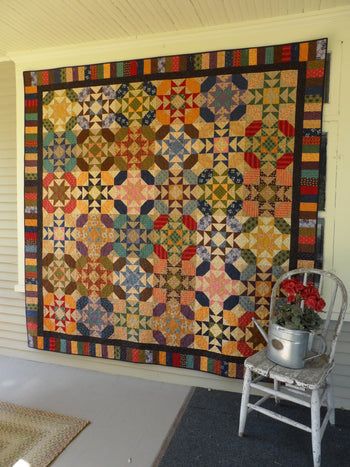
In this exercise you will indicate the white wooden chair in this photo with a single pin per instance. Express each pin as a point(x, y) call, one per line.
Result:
point(310, 386)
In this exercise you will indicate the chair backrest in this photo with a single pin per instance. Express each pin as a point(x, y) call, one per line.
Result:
point(336, 299)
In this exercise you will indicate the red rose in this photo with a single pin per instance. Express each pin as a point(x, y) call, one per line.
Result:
point(310, 291)
point(311, 302)
point(299, 286)
point(320, 304)
point(289, 288)
point(292, 286)
point(291, 298)
point(287, 285)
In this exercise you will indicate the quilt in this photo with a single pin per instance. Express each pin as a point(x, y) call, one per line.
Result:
point(164, 196)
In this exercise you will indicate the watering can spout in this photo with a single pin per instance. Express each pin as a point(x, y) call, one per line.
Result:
point(262, 332)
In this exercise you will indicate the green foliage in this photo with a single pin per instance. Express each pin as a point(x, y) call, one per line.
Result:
point(291, 316)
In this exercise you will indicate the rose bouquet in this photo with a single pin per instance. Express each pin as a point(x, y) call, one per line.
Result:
point(301, 308)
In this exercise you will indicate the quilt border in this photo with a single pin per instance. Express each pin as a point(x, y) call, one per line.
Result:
point(311, 53)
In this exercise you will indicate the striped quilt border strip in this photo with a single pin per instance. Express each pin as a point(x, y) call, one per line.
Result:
point(296, 52)
point(128, 354)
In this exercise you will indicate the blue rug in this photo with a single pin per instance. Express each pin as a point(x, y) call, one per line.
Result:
point(206, 436)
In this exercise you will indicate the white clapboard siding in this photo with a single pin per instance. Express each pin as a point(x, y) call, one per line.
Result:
point(12, 317)
point(13, 340)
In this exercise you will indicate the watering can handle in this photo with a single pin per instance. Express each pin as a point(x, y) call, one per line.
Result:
point(323, 351)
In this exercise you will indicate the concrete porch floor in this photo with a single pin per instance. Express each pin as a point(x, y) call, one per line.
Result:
point(129, 417)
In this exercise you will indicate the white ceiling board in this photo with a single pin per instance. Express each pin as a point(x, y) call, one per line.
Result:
point(28, 25)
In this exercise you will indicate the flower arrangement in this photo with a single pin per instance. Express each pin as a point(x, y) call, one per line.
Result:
point(300, 310)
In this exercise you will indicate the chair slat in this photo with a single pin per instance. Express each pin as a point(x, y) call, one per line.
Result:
point(330, 310)
point(302, 304)
point(320, 285)
point(305, 278)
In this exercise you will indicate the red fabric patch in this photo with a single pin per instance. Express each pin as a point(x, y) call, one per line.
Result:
point(253, 128)
point(309, 190)
point(160, 222)
point(246, 318)
point(244, 349)
point(189, 222)
point(284, 161)
point(177, 359)
point(133, 68)
point(286, 128)
point(189, 252)
point(252, 160)
point(307, 240)
point(160, 252)
point(286, 53)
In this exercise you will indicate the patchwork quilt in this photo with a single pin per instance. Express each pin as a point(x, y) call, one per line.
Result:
point(164, 196)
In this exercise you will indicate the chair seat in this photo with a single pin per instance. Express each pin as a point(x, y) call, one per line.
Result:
point(312, 376)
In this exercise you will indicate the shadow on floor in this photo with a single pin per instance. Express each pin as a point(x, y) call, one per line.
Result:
point(206, 436)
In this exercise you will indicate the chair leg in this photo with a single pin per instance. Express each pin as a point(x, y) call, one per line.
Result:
point(315, 427)
point(276, 386)
point(330, 399)
point(244, 401)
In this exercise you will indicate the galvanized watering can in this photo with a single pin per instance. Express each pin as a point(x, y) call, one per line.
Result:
point(288, 347)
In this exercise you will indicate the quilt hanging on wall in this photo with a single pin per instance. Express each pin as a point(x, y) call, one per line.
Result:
point(164, 196)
